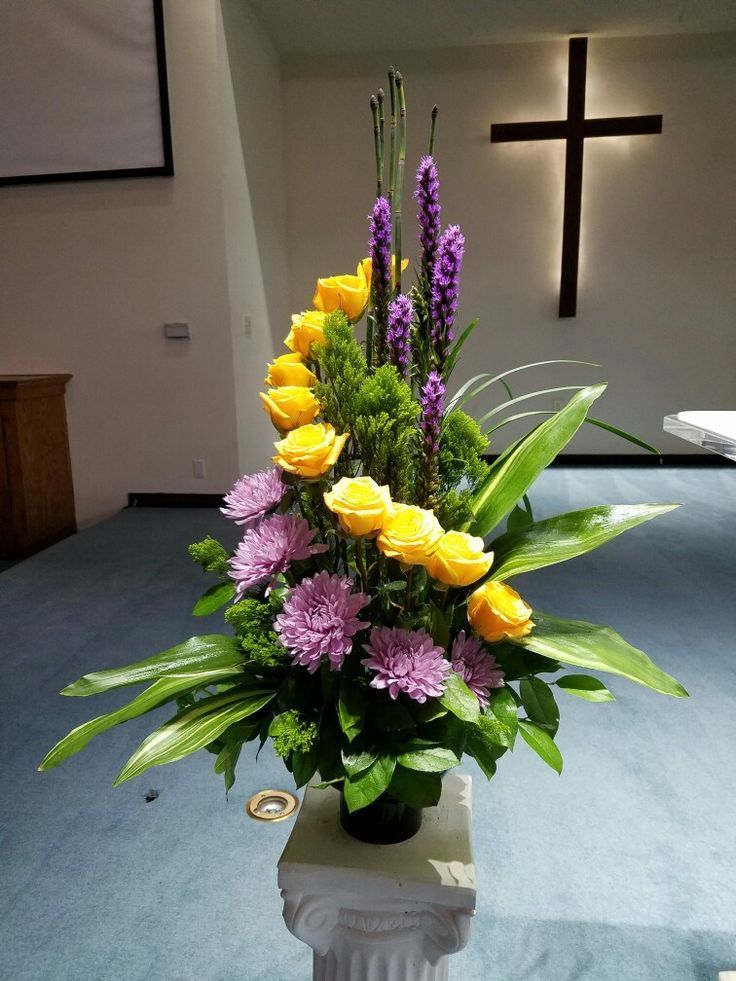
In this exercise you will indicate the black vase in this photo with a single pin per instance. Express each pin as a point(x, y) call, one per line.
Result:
point(384, 822)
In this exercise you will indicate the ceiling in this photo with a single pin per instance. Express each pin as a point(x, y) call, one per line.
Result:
point(299, 27)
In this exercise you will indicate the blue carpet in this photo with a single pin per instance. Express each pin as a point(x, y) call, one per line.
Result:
point(623, 868)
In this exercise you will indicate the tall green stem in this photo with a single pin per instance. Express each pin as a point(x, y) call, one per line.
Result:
point(360, 563)
point(392, 152)
point(399, 175)
point(377, 143)
point(435, 110)
point(381, 123)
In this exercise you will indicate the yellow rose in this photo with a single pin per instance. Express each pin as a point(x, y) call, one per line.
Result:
point(347, 293)
point(309, 451)
point(459, 559)
point(290, 406)
point(360, 504)
point(306, 329)
point(496, 611)
point(367, 267)
point(410, 534)
point(289, 369)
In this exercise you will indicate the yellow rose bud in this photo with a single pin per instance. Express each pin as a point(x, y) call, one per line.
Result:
point(290, 406)
point(366, 266)
point(459, 559)
point(409, 534)
point(306, 329)
point(496, 611)
point(289, 369)
point(360, 504)
point(347, 293)
point(309, 451)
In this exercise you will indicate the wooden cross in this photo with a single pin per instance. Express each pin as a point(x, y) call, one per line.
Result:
point(574, 130)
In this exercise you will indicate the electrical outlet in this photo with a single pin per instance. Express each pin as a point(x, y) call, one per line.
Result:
point(199, 468)
point(247, 326)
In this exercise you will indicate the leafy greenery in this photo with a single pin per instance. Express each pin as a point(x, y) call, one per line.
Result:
point(291, 733)
point(211, 555)
point(252, 621)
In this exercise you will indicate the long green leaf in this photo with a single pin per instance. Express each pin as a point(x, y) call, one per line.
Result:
point(198, 653)
point(542, 744)
point(455, 400)
point(192, 729)
point(507, 484)
point(522, 398)
point(566, 536)
point(609, 427)
point(158, 693)
point(599, 648)
point(540, 704)
point(458, 346)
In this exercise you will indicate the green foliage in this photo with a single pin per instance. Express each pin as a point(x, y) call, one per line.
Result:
point(343, 369)
point(291, 733)
point(385, 429)
point(462, 445)
point(211, 555)
point(454, 509)
point(252, 621)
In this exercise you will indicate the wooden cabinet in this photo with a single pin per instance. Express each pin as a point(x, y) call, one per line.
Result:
point(36, 491)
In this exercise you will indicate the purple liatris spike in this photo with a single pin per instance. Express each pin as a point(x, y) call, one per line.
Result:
point(427, 195)
point(446, 288)
point(432, 403)
point(379, 249)
point(398, 333)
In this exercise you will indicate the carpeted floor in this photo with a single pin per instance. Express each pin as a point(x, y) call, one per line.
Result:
point(623, 868)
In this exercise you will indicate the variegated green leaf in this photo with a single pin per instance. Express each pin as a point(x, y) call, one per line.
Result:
point(196, 654)
point(158, 693)
point(192, 729)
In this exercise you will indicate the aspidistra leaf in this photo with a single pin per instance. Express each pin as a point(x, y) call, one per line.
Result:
point(215, 597)
point(506, 484)
point(566, 536)
point(193, 728)
point(159, 692)
point(196, 654)
point(598, 648)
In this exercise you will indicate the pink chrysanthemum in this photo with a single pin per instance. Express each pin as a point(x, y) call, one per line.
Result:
point(254, 495)
point(319, 618)
point(270, 548)
point(408, 661)
point(478, 669)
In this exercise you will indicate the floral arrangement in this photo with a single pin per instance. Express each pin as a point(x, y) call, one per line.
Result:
point(374, 635)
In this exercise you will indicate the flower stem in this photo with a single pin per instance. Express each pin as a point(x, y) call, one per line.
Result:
point(381, 121)
point(392, 152)
point(360, 563)
point(435, 110)
point(399, 176)
point(377, 143)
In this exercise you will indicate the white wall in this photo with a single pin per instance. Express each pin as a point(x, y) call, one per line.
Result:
point(90, 272)
point(656, 299)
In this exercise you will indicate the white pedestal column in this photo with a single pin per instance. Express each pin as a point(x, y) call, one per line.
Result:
point(381, 912)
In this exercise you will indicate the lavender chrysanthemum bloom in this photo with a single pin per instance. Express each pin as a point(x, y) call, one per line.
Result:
point(427, 195)
point(270, 548)
point(432, 401)
point(253, 496)
point(320, 618)
point(478, 669)
point(400, 316)
point(446, 288)
point(406, 661)
point(379, 249)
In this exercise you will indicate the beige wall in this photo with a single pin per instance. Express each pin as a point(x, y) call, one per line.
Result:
point(657, 301)
point(90, 272)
